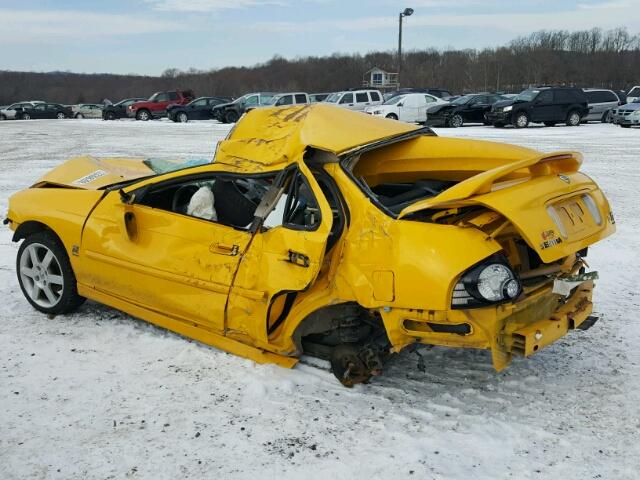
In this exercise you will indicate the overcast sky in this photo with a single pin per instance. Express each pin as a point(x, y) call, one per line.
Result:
point(148, 36)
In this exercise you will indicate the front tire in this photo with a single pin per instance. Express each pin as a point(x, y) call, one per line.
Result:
point(607, 117)
point(231, 117)
point(45, 274)
point(143, 115)
point(79, 116)
point(521, 120)
point(456, 121)
point(25, 116)
point(573, 119)
point(183, 117)
point(60, 115)
point(392, 116)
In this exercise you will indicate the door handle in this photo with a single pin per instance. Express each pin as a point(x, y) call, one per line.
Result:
point(224, 249)
point(299, 259)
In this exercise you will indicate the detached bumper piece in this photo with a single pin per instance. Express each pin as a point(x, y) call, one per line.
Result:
point(526, 339)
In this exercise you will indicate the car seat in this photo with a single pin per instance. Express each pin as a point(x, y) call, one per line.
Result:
point(232, 206)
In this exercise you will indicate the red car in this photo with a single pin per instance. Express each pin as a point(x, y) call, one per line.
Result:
point(156, 106)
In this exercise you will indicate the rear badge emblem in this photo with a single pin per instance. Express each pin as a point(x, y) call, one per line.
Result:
point(564, 178)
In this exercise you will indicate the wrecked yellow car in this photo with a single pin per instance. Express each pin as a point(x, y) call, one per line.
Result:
point(324, 232)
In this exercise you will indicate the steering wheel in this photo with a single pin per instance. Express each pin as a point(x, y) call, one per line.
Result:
point(181, 199)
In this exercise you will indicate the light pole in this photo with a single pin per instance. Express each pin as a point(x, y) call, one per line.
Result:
point(407, 12)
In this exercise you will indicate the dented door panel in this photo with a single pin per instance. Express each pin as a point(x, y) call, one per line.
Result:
point(176, 264)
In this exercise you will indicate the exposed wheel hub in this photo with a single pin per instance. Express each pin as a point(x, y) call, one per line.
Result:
point(353, 363)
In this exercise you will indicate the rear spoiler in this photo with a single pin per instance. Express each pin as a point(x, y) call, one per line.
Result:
point(537, 166)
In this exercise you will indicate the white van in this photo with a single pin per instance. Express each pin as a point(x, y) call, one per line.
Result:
point(410, 107)
point(355, 99)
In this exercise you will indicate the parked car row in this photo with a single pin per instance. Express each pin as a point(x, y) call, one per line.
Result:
point(546, 105)
point(37, 109)
point(433, 106)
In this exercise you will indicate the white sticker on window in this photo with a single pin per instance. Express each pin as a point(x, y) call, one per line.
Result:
point(90, 178)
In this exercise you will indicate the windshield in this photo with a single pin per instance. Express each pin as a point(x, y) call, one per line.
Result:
point(526, 96)
point(242, 99)
point(395, 100)
point(634, 92)
point(462, 100)
point(153, 97)
point(333, 98)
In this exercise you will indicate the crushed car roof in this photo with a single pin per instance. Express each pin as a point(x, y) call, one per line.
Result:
point(279, 136)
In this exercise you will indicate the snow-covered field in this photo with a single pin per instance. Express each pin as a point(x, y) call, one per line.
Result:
point(100, 395)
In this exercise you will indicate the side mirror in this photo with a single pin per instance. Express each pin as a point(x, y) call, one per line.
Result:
point(401, 104)
point(126, 198)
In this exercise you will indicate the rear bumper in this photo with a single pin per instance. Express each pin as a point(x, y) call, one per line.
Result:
point(518, 329)
point(523, 335)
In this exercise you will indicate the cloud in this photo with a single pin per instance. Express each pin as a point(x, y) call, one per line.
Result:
point(604, 15)
point(29, 26)
point(210, 5)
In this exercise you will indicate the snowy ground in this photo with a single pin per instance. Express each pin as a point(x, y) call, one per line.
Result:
point(100, 395)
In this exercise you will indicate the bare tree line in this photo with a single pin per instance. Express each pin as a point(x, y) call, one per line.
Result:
point(593, 58)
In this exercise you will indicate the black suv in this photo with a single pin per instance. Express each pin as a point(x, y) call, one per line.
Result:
point(469, 108)
point(232, 111)
point(548, 105)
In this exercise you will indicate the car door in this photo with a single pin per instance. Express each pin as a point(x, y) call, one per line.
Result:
point(362, 101)
point(562, 100)
point(409, 107)
point(543, 108)
point(162, 102)
point(476, 108)
point(600, 101)
point(48, 110)
point(37, 111)
point(284, 257)
point(285, 100)
point(376, 99)
point(151, 252)
point(347, 101)
point(199, 109)
point(301, 98)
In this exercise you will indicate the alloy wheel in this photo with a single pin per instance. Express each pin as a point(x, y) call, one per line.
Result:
point(522, 121)
point(183, 117)
point(456, 121)
point(574, 119)
point(41, 275)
